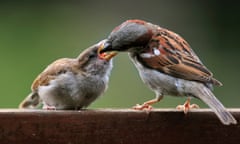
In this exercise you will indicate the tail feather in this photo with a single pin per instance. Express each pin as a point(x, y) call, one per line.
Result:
point(206, 95)
point(216, 82)
point(31, 101)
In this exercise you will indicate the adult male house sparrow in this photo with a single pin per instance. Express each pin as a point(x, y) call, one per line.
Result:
point(167, 64)
point(72, 83)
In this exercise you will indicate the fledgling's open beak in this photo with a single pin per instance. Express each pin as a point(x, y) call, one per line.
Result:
point(105, 55)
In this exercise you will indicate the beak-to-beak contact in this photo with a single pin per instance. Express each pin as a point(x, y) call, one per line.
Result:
point(105, 55)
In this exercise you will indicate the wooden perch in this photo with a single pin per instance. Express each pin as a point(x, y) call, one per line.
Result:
point(107, 126)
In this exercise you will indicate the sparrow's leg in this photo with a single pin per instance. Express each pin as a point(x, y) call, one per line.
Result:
point(187, 106)
point(147, 105)
point(48, 107)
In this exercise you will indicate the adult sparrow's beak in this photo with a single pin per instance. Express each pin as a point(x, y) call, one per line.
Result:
point(106, 47)
point(102, 52)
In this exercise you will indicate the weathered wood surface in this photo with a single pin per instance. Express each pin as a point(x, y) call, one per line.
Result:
point(108, 126)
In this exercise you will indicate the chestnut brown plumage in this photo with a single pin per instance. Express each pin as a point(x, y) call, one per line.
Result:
point(167, 64)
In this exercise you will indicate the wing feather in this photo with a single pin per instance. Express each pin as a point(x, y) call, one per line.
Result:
point(59, 66)
point(176, 58)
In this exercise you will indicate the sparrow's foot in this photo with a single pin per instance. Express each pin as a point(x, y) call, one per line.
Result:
point(148, 104)
point(187, 106)
point(144, 106)
point(47, 107)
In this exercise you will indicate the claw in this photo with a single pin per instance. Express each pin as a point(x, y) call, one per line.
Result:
point(143, 107)
point(148, 104)
point(187, 106)
point(47, 107)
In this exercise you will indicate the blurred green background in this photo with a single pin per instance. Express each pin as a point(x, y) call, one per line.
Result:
point(34, 34)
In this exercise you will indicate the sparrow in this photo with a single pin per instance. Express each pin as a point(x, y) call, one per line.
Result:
point(72, 83)
point(167, 65)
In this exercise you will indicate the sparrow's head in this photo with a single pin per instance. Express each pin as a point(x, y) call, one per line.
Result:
point(129, 35)
point(92, 61)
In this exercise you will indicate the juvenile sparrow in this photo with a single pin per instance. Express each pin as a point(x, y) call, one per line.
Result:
point(167, 64)
point(72, 83)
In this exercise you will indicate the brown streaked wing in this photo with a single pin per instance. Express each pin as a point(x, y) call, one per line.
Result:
point(59, 66)
point(177, 59)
